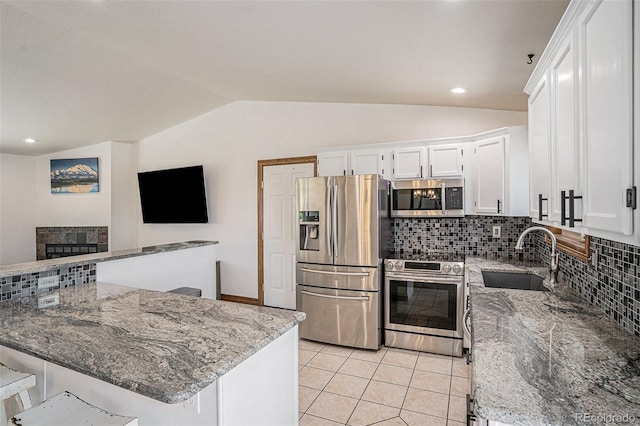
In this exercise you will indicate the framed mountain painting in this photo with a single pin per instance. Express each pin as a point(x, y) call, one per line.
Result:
point(74, 175)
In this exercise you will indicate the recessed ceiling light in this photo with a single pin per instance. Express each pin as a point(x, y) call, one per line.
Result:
point(30, 140)
point(458, 90)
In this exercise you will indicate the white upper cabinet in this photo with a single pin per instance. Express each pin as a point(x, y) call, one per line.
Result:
point(418, 162)
point(356, 162)
point(564, 147)
point(333, 163)
point(488, 176)
point(606, 102)
point(500, 173)
point(588, 70)
point(409, 163)
point(366, 162)
point(445, 160)
point(539, 150)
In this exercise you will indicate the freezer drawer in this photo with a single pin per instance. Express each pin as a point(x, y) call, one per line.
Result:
point(340, 317)
point(343, 277)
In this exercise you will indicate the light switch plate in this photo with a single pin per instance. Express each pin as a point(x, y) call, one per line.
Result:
point(497, 231)
point(48, 282)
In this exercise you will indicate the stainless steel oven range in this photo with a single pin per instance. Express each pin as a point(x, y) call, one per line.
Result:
point(424, 305)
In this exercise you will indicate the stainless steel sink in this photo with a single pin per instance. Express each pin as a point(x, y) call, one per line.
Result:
point(514, 280)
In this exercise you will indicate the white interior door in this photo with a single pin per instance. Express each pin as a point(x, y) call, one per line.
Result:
point(279, 227)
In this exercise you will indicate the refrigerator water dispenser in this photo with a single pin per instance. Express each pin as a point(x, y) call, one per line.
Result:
point(309, 230)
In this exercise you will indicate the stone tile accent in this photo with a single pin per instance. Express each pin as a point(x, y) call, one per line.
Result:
point(613, 284)
point(469, 235)
point(71, 235)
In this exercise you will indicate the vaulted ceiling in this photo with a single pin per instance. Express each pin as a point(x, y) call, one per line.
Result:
point(75, 73)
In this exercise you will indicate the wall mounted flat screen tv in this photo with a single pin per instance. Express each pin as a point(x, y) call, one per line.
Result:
point(173, 196)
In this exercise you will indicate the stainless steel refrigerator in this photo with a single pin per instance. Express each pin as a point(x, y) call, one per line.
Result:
point(344, 234)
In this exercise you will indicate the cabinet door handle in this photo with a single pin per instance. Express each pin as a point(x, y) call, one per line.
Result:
point(431, 170)
point(540, 200)
point(572, 208)
point(421, 171)
point(563, 208)
point(498, 206)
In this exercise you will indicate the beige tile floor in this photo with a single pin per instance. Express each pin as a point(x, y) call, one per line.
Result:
point(343, 386)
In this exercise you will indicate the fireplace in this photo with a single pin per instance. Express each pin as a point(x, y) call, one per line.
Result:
point(54, 251)
point(62, 241)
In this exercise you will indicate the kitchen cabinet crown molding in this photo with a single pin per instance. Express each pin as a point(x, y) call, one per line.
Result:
point(565, 26)
point(422, 142)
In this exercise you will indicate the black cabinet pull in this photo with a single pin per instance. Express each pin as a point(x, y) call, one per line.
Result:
point(540, 200)
point(421, 171)
point(563, 208)
point(499, 206)
point(572, 208)
point(471, 416)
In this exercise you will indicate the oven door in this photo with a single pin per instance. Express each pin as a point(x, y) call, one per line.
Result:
point(424, 304)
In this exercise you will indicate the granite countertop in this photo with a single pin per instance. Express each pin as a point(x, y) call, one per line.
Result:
point(548, 357)
point(44, 265)
point(161, 345)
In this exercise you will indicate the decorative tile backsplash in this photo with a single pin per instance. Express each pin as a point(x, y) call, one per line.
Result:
point(469, 235)
point(612, 285)
point(70, 235)
point(17, 286)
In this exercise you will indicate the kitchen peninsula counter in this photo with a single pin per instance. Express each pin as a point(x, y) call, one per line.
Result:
point(45, 265)
point(548, 357)
point(164, 346)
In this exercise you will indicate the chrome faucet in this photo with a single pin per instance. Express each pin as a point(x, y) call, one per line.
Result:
point(554, 268)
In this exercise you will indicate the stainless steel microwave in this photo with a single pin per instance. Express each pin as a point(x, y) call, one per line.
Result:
point(428, 198)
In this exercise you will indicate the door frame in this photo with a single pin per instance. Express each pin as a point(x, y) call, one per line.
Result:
point(261, 165)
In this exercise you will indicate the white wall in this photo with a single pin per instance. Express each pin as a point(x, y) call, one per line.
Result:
point(123, 228)
point(17, 209)
point(230, 140)
point(87, 209)
point(26, 200)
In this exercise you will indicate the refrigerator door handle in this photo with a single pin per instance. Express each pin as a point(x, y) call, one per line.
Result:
point(347, 274)
point(329, 296)
point(329, 214)
point(334, 219)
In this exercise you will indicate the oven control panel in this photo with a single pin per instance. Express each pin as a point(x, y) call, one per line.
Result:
point(425, 266)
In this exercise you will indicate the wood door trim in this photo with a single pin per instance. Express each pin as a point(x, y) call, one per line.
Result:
point(240, 299)
point(261, 165)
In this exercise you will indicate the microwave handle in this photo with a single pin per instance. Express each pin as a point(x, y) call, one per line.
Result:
point(444, 199)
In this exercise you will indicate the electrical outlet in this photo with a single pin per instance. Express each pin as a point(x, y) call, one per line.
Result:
point(193, 403)
point(51, 299)
point(48, 282)
point(497, 231)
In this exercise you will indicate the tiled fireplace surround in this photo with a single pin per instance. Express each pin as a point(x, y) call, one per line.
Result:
point(612, 285)
point(71, 235)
